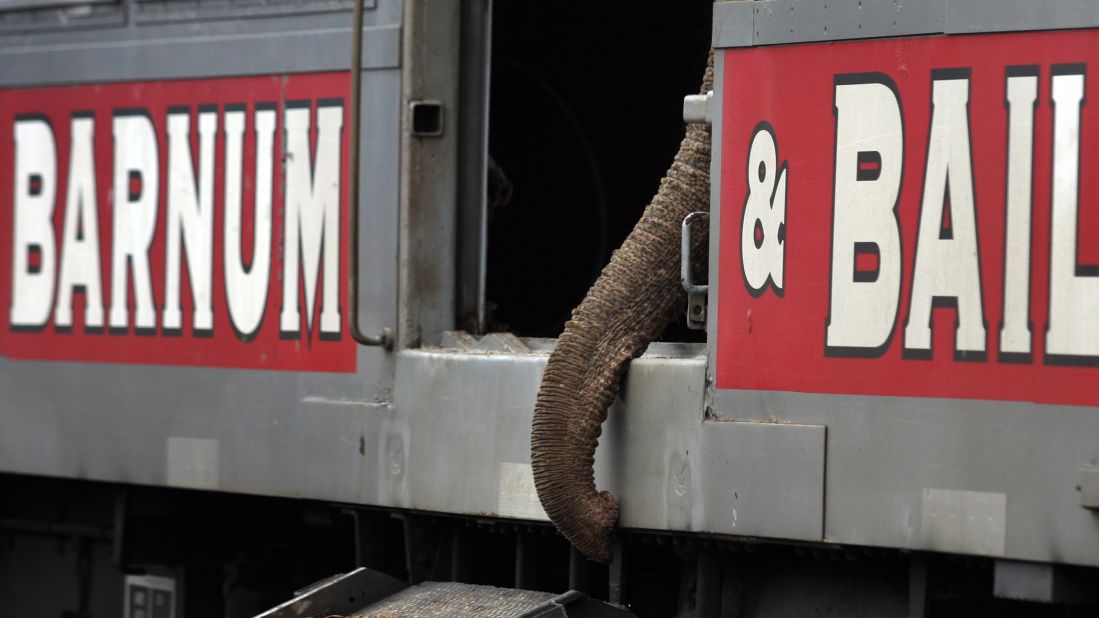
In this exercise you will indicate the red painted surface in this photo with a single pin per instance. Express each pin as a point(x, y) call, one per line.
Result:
point(222, 348)
point(777, 343)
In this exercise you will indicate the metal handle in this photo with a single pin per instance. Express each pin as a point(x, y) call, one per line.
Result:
point(685, 253)
point(696, 293)
point(384, 338)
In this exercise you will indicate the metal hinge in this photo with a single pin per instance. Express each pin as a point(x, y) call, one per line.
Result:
point(696, 293)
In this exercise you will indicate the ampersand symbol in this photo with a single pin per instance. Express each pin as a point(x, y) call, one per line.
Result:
point(763, 229)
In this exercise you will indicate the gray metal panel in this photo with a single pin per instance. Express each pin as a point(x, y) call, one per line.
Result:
point(223, 48)
point(473, 411)
point(71, 17)
point(429, 193)
point(797, 21)
point(734, 24)
point(674, 471)
point(671, 471)
point(648, 453)
point(964, 16)
point(457, 412)
point(379, 204)
point(295, 435)
point(885, 454)
point(768, 476)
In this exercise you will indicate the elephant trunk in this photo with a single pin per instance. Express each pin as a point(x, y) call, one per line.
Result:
point(629, 305)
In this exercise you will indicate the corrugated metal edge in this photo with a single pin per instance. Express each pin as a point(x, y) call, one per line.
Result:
point(970, 16)
point(800, 21)
point(747, 23)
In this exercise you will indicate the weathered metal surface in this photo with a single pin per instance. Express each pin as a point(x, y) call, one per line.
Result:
point(225, 47)
point(677, 471)
point(762, 479)
point(426, 294)
point(474, 412)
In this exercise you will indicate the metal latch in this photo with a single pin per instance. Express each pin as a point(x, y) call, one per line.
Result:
point(696, 107)
point(696, 293)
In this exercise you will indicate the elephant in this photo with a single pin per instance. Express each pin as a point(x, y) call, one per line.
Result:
point(628, 306)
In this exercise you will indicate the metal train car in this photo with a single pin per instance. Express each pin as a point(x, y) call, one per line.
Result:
point(280, 280)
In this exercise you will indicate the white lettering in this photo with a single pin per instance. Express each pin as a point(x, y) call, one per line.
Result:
point(246, 287)
point(1022, 92)
point(134, 208)
point(763, 228)
point(190, 217)
point(312, 216)
point(863, 306)
point(1073, 296)
point(80, 245)
point(947, 264)
point(35, 189)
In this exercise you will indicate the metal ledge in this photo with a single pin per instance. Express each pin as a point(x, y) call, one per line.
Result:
point(224, 49)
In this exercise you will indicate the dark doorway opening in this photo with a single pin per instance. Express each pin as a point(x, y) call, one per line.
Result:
point(586, 115)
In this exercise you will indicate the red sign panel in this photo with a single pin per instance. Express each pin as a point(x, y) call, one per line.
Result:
point(912, 217)
point(190, 222)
